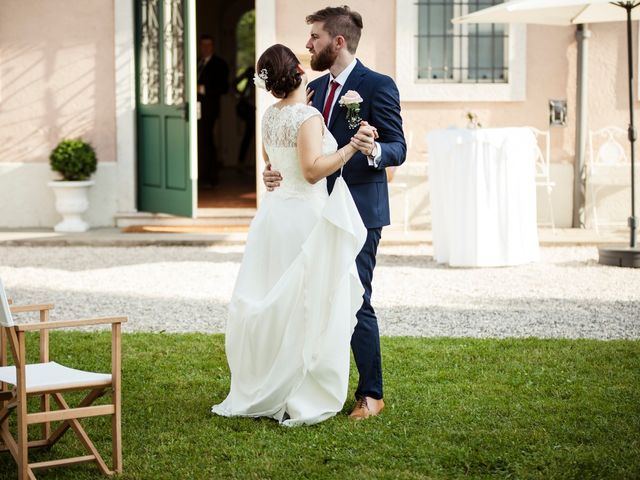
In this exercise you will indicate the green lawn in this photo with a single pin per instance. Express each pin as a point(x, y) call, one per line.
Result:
point(456, 408)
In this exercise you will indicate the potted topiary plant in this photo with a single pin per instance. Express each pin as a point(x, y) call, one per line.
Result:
point(75, 161)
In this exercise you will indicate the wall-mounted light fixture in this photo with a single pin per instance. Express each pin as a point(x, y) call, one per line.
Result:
point(558, 113)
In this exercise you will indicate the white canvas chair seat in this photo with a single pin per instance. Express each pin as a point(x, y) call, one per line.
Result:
point(53, 376)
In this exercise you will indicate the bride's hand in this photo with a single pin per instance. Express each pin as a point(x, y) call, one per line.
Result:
point(375, 130)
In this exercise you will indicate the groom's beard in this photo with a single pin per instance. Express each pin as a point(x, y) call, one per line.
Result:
point(323, 60)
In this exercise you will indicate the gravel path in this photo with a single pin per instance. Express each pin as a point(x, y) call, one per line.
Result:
point(186, 289)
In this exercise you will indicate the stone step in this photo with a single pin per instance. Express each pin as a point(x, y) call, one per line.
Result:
point(205, 217)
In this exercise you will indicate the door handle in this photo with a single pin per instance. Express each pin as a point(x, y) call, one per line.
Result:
point(185, 110)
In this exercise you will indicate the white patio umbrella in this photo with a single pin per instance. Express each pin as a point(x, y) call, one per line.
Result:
point(553, 12)
point(573, 12)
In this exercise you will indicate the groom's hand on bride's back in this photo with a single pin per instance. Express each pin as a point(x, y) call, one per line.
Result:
point(271, 178)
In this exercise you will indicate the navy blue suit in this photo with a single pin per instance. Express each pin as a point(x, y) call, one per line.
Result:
point(368, 185)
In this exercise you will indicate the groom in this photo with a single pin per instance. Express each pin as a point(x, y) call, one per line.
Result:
point(335, 33)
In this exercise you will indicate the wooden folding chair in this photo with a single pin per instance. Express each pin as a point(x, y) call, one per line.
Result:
point(49, 380)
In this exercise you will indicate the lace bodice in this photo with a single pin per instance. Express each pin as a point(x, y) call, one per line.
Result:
point(279, 133)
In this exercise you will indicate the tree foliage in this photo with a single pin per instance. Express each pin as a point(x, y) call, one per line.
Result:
point(246, 38)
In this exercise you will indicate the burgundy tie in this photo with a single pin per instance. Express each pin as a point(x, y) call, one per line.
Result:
point(327, 106)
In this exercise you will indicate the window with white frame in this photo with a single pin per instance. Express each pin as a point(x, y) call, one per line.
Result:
point(439, 61)
point(459, 53)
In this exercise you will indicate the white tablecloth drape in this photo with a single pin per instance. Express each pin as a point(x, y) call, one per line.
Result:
point(483, 196)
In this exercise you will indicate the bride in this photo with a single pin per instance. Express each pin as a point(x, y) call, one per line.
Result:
point(293, 307)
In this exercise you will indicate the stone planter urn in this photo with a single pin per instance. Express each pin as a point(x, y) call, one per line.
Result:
point(72, 200)
point(75, 161)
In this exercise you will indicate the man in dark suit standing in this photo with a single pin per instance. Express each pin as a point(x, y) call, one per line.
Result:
point(213, 82)
point(335, 33)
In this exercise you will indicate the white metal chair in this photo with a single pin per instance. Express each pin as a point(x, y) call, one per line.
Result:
point(605, 165)
point(401, 187)
point(543, 167)
point(49, 380)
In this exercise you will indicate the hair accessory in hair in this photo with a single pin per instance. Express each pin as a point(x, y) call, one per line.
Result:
point(260, 79)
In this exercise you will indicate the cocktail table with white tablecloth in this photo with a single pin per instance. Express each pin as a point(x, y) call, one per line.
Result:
point(483, 196)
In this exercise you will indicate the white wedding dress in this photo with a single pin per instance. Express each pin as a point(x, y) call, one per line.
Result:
point(293, 307)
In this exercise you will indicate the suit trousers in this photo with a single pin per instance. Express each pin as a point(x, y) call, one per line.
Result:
point(208, 165)
point(365, 342)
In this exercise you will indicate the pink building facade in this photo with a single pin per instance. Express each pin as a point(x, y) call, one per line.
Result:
point(68, 69)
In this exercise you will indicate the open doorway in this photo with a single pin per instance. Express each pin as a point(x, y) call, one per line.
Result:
point(226, 128)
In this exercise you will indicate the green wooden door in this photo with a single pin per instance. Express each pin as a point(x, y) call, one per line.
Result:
point(165, 178)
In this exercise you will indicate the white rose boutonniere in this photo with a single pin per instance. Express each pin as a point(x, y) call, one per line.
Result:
point(351, 101)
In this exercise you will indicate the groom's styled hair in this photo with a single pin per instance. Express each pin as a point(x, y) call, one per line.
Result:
point(340, 21)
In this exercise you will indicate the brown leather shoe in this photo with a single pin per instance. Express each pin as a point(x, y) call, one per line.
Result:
point(366, 407)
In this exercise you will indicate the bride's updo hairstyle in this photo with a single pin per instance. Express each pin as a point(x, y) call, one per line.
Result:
point(281, 67)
